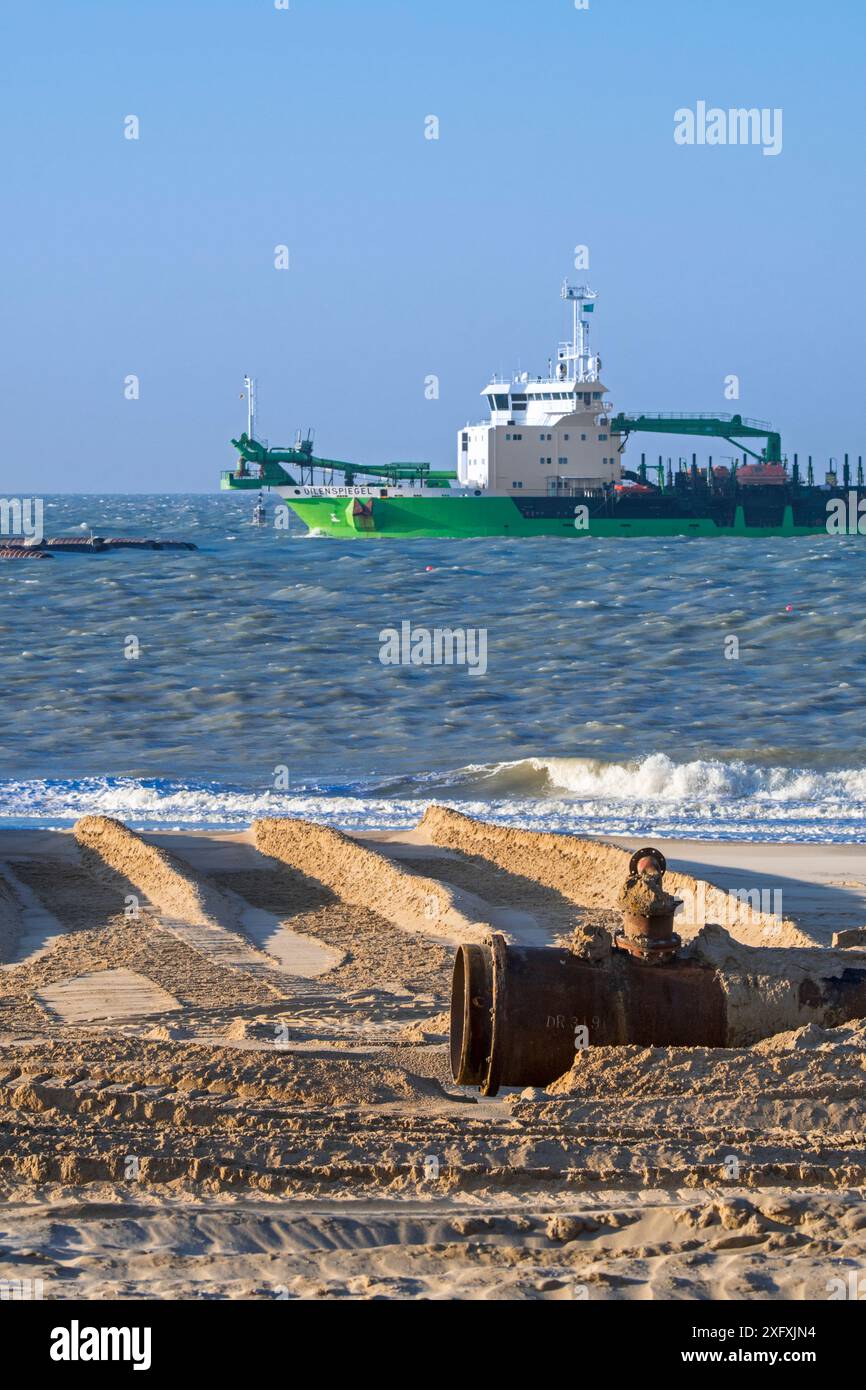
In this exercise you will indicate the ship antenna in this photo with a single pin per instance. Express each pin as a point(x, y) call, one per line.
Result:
point(250, 384)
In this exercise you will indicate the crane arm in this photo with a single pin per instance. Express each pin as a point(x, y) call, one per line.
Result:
point(732, 428)
point(271, 461)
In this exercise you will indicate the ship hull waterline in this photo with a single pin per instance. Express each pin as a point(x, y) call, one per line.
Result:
point(470, 518)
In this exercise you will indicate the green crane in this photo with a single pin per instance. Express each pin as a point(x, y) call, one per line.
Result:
point(271, 473)
point(732, 428)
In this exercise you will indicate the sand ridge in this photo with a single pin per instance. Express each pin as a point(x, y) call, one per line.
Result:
point(591, 874)
point(358, 875)
point(157, 874)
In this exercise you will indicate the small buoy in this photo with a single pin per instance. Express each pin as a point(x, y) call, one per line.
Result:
point(429, 569)
point(790, 608)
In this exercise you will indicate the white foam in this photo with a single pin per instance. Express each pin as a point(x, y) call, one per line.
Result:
point(701, 799)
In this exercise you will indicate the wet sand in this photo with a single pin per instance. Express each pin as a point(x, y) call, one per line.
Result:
point(223, 1072)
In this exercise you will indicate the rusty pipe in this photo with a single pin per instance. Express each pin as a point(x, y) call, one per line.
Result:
point(516, 1010)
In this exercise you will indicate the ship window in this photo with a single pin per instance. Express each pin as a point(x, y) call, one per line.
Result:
point(501, 402)
point(517, 485)
point(464, 443)
point(587, 397)
point(583, 438)
point(596, 395)
point(563, 463)
point(565, 437)
point(602, 439)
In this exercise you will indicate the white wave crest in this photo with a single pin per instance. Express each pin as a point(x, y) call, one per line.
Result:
point(702, 799)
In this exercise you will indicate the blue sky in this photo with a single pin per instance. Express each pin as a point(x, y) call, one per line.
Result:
point(412, 257)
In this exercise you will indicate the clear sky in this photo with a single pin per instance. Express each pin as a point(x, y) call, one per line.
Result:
point(410, 257)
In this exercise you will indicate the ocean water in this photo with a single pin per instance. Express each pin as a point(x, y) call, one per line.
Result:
point(609, 703)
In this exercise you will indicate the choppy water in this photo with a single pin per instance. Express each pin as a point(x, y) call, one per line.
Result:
point(608, 703)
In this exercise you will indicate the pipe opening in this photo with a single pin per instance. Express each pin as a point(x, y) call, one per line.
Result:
point(471, 1015)
point(459, 1018)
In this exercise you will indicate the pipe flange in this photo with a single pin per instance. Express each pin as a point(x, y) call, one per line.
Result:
point(653, 950)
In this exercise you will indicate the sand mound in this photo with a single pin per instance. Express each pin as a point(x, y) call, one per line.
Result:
point(591, 874)
point(360, 876)
point(197, 1086)
point(156, 873)
point(803, 1092)
point(775, 989)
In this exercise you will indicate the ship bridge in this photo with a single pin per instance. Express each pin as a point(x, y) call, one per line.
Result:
point(546, 431)
point(540, 401)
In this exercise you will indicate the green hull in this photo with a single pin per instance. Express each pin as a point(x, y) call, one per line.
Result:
point(465, 518)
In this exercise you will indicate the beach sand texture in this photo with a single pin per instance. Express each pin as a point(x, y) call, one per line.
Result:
point(224, 1073)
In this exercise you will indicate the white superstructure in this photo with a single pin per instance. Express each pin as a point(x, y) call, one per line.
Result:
point(549, 435)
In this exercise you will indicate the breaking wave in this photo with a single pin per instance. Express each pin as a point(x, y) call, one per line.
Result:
point(658, 778)
point(702, 799)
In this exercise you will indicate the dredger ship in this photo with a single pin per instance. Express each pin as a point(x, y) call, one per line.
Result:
point(548, 462)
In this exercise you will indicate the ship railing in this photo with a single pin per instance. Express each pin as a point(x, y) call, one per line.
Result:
point(232, 474)
point(592, 487)
point(697, 415)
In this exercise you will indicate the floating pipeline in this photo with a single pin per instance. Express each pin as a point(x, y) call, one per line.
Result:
point(81, 545)
point(520, 1015)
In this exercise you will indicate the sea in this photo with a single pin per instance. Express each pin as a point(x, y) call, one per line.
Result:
point(684, 688)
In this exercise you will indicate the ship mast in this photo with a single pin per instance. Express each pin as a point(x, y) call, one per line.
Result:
point(575, 361)
point(250, 384)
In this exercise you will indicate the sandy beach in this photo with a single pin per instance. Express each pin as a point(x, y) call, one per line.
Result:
point(224, 1073)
